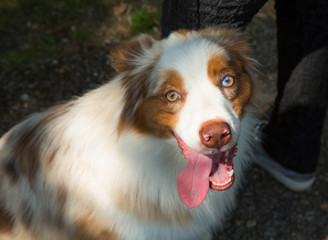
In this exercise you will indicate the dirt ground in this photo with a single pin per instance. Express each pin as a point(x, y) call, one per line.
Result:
point(266, 209)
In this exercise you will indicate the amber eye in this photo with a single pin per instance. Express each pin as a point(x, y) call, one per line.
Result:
point(228, 81)
point(172, 96)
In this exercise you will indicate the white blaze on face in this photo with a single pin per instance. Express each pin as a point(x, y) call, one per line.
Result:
point(203, 101)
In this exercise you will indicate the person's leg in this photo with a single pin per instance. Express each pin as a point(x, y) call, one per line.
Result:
point(292, 137)
point(198, 14)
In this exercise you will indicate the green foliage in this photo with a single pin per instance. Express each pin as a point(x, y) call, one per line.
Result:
point(145, 22)
point(15, 58)
point(48, 39)
point(41, 11)
point(45, 27)
point(45, 23)
point(82, 36)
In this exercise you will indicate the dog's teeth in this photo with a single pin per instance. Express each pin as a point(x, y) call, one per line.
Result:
point(220, 184)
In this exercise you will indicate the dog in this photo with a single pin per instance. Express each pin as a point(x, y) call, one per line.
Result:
point(158, 152)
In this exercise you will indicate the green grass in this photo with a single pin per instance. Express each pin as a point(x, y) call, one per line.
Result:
point(82, 36)
point(43, 11)
point(40, 27)
point(145, 22)
point(42, 24)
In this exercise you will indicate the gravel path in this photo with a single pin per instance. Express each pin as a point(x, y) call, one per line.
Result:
point(266, 209)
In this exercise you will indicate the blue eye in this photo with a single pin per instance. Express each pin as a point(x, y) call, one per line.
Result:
point(228, 81)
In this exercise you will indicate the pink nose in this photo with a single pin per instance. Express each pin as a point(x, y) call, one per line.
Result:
point(215, 134)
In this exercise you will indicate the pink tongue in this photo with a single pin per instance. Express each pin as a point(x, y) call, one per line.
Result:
point(193, 180)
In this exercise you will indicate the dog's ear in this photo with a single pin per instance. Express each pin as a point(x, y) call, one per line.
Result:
point(125, 56)
point(135, 59)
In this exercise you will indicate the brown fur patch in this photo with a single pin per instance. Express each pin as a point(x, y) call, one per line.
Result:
point(235, 44)
point(11, 170)
point(240, 93)
point(136, 90)
point(143, 209)
point(26, 142)
point(122, 56)
point(182, 32)
point(244, 94)
point(26, 149)
point(6, 220)
point(126, 58)
point(215, 67)
point(240, 66)
point(156, 115)
point(90, 228)
point(52, 156)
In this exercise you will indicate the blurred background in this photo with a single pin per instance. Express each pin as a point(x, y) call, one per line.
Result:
point(51, 51)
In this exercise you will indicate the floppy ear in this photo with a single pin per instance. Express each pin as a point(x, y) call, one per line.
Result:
point(125, 56)
point(135, 59)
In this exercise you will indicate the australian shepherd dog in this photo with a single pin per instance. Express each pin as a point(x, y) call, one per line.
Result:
point(158, 152)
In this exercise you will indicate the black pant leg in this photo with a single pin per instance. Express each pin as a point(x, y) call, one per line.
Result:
point(292, 136)
point(197, 14)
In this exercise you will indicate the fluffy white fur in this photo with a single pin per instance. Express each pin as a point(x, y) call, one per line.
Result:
point(68, 173)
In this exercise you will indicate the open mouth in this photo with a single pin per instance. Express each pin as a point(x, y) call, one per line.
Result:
point(204, 171)
point(222, 174)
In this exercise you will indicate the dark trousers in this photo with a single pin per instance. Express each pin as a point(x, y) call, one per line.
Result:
point(292, 136)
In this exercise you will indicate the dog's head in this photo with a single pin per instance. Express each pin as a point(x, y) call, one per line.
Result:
point(194, 86)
